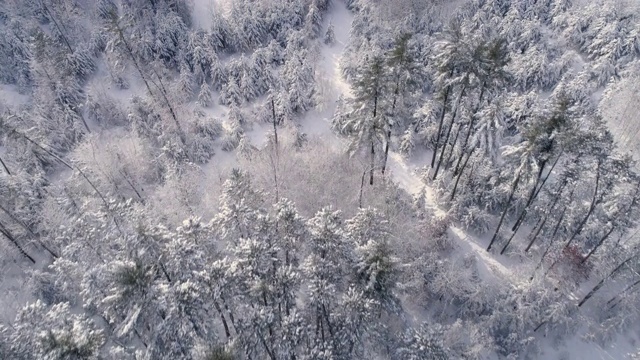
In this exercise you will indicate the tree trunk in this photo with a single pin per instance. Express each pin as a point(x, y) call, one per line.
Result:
point(55, 23)
point(553, 205)
point(70, 167)
point(393, 110)
point(275, 129)
point(514, 187)
point(223, 319)
point(24, 226)
point(592, 207)
point(470, 130)
point(373, 158)
point(444, 112)
point(5, 167)
point(534, 193)
point(631, 286)
point(455, 187)
point(453, 147)
point(601, 283)
point(386, 150)
point(602, 240)
point(538, 228)
point(4, 231)
point(146, 83)
point(446, 139)
point(546, 251)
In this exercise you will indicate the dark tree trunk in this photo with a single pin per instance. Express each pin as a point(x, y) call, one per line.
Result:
point(538, 228)
point(469, 131)
point(373, 158)
point(386, 151)
point(146, 82)
point(553, 205)
point(601, 283)
point(546, 251)
point(26, 227)
point(5, 167)
point(223, 319)
point(444, 112)
point(606, 236)
point(514, 187)
point(592, 207)
point(602, 240)
point(393, 111)
point(7, 234)
point(534, 193)
point(464, 165)
point(275, 129)
point(621, 293)
point(446, 139)
point(447, 162)
point(70, 167)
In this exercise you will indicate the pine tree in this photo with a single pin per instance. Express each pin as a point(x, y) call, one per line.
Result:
point(366, 122)
point(330, 36)
point(205, 96)
point(425, 342)
point(55, 333)
point(325, 271)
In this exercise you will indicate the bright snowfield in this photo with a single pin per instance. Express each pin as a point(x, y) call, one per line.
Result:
point(151, 287)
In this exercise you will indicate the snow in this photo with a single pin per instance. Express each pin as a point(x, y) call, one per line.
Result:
point(405, 174)
point(316, 123)
point(9, 96)
point(203, 11)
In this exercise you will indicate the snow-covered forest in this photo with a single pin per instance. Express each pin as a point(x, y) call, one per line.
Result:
point(319, 179)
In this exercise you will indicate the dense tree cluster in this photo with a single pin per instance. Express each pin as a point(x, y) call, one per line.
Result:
point(139, 219)
point(520, 150)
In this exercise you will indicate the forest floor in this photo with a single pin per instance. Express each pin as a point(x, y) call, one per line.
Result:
point(407, 174)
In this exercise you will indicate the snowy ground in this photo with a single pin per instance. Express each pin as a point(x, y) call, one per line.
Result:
point(405, 174)
point(316, 123)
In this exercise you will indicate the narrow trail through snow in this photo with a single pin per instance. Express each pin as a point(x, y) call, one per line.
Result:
point(404, 173)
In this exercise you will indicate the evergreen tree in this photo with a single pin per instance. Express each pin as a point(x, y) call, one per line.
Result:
point(55, 333)
point(205, 96)
point(366, 122)
point(330, 36)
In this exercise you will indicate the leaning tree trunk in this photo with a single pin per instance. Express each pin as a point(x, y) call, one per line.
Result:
point(28, 229)
point(601, 283)
point(5, 167)
point(534, 193)
point(7, 234)
point(146, 82)
point(471, 123)
point(446, 139)
point(514, 187)
point(538, 229)
point(553, 205)
point(592, 207)
point(453, 148)
point(621, 293)
point(602, 240)
point(444, 112)
point(623, 213)
point(464, 165)
point(553, 235)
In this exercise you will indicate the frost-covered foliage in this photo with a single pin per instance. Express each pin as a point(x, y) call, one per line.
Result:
point(160, 199)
